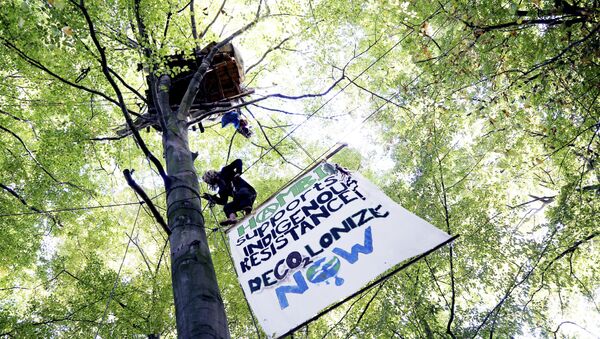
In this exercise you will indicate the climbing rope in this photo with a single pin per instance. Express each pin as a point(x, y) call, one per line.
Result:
point(110, 297)
point(85, 208)
point(212, 212)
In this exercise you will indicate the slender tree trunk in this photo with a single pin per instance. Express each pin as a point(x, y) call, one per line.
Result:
point(199, 309)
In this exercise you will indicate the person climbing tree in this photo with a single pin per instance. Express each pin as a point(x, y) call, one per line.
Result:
point(230, 184)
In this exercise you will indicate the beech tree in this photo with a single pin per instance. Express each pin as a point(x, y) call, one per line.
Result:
point(480, 117)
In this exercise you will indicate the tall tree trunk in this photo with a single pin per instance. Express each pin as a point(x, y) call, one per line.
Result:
point(199, 308)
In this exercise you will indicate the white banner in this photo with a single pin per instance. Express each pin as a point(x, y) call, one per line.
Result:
point(318, 241)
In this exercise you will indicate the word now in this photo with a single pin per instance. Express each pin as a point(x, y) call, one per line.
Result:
point(323, 269)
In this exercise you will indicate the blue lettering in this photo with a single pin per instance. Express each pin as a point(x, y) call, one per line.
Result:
point(300, 288)
point(352, 257)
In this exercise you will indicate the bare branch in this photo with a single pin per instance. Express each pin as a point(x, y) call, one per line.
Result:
point(194, 86)
point(331, 328)
point(24, 202)
point(267, 52)
point(362, 314)
point(184, 7)
point(166, 30)
point(113, 72)
point(269, 141)
point(32, 156)
point(121, 101)
point(329, 117)
point(565, 50)
point(146, 260)
point(162, 254)
point(38, 65)
point(161, 97)
point(573, 247)
point(145, 42)
point(147, 200)
point(275, 95)
point(377, 95)
point(549, 21)
point(555, 332)
point(109, 138)
point(545, 200)
point(516, 284)
point(29, 122)
point(444, 202)
point(194, 29)
point(214, 19)
point(230, 144)
point(129, 87)
point(14, 116)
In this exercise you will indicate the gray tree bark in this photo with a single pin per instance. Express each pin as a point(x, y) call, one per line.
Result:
point(199, 309)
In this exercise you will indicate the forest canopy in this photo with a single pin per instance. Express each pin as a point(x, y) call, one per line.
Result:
point(481, 117)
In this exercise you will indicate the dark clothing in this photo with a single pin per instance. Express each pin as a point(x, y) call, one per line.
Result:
point(232, 185)
point(242, 200)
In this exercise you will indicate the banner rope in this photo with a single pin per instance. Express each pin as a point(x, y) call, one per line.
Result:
point(212, 212)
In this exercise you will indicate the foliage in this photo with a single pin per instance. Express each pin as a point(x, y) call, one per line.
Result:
point(481, 117)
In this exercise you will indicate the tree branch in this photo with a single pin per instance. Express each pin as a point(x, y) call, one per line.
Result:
point(38, 65)
point(565, 50)
point(194, 86)
point(545, 200)
point(272, 49)
point(529, 22)
point(230, 144)
point(24, 202)
point(269, 141)
point(555, 332)
point(444, 202)
point(28, 122)
point(146, 260)
point(32, 156)
point(516, 284)
point(366, 308)
point(147, 200)
point(194, 28)
point(166, 30)
point(451, 254)
point(275, 95)
point(331, 328)
point(107, 74)
point(121, 80)
point(214, 19)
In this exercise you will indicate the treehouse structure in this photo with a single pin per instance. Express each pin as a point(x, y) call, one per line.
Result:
point(220, 86)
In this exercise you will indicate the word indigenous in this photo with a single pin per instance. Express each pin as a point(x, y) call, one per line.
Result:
point(298, 191)
point(295, 218)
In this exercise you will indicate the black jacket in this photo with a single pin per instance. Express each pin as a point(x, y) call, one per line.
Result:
point(230, 182)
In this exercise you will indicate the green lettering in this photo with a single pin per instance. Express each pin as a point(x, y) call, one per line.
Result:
point(281, 195)
point(303, 184)
point(267, 212)
point(251, 224)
